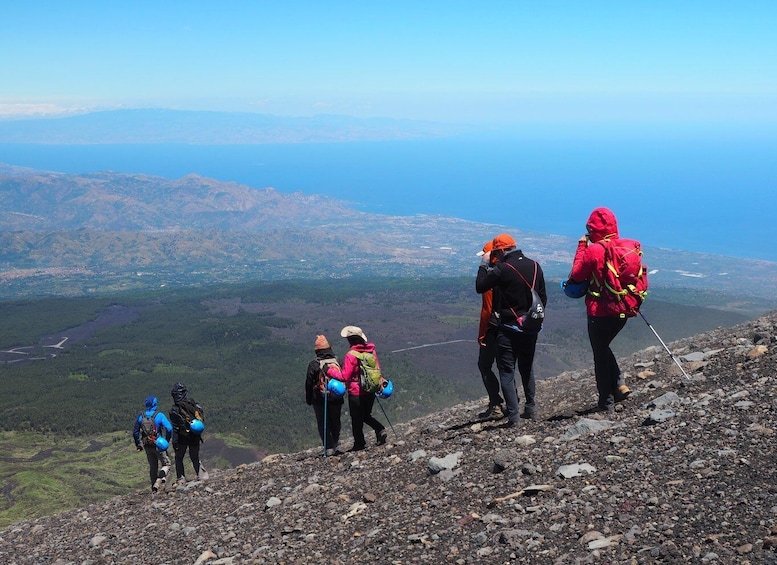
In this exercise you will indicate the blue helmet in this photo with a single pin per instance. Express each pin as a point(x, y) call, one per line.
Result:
point(197, 426)
point(574, 289)
point(387, 390)
point(162, 444)
point(336, 388)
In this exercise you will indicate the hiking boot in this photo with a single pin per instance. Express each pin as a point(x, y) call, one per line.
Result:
point(330, 452)
point(382, 436)
point(493, 412)
point(622, 393)
point(529, 413)
point(180, 482)
point(510, 425)
point(357, 447)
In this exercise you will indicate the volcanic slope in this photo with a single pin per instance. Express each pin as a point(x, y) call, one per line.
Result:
point(682, 472)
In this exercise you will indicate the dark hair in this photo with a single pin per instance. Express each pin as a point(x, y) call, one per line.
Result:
point(355, 340)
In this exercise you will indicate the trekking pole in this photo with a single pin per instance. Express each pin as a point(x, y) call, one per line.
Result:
point(386, 416)
point(326, 394)
point(665, 347)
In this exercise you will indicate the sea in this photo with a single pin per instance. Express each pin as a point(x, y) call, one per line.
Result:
point(703, 193)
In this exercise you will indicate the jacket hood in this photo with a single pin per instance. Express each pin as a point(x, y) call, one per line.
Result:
point(150, 403)
point(602, 224)
point(178, 392)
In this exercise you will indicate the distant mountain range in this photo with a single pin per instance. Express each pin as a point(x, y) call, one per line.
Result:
point(212, 128)
point(62, 233)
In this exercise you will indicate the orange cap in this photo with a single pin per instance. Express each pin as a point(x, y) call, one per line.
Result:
point(486, 248)
point(503, 241)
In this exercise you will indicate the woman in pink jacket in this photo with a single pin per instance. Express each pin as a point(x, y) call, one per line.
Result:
point(360, 403)
point(604, 321)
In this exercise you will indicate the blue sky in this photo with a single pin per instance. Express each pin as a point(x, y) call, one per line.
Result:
point(632, 61)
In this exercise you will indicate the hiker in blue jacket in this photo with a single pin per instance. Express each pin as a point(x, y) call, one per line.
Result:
point(150, 425)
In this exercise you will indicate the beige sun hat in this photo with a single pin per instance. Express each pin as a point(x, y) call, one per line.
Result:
point(348, 331)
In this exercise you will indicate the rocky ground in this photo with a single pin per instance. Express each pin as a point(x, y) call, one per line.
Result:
point(682, 472)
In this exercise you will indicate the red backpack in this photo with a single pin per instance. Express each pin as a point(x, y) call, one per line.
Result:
point(625, 277)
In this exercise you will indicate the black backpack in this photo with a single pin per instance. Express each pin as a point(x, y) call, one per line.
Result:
point(148, 431)
point(531, 321)
point(190, 411)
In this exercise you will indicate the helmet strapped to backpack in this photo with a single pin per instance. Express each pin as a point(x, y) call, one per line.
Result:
point(387, 390)
point(335, 388)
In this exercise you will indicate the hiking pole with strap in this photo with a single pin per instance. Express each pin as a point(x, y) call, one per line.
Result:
point(665, 347)
point(326, 395)
point(386, 416)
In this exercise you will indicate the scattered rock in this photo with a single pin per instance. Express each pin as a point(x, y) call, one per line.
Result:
point(696, 486)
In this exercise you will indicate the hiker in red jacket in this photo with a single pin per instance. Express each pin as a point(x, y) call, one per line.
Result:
point(487, 351)
point(604, 319)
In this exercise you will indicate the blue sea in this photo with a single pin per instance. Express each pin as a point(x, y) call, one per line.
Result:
point(712, 194)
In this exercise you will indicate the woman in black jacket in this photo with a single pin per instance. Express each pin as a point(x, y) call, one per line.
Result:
point(315, 389)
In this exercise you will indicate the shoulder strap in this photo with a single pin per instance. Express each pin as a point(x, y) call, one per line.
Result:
point(534, 280)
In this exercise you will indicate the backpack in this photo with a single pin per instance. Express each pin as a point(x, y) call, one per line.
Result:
point(320, 385)
point(625, 277)
point(531, 321)
point(148, 431)
point(370, 378)
point(190, 411)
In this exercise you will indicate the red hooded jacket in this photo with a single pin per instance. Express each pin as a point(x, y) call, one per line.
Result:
point(589, 260)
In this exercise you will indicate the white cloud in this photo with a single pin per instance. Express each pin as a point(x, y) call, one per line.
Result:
point(30, 110)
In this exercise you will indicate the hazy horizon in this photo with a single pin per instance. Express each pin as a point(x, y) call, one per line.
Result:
point(710, 196)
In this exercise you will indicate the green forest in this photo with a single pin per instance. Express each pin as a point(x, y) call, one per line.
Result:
point(242, 350)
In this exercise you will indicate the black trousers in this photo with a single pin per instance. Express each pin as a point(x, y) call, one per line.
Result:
point(158, 463)
point(601, 331)
point(516, 350)
point(333, 412)
point(192, 443)
point(486, 358)
point(360, 408)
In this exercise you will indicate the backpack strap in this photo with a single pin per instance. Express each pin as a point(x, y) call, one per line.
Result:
point(531, 286)
point(534, 280)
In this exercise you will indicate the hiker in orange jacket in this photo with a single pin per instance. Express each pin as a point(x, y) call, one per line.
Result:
point(487, 351)
point(604, 321)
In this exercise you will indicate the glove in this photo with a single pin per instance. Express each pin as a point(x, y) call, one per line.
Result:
point(138, 447)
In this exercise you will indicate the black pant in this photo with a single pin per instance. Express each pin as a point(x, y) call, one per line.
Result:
point(601, 331)
point(155, 458)
point(486, 358)
point(333, 411)
point(192, 442)
point(360, 408)
point(516, 349)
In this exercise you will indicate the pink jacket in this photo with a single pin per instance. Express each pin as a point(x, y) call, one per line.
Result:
point(350, 370)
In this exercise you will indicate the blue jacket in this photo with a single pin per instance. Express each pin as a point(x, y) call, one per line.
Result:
point(163, 426)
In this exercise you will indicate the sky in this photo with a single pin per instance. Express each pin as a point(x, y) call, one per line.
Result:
point(474, 62)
